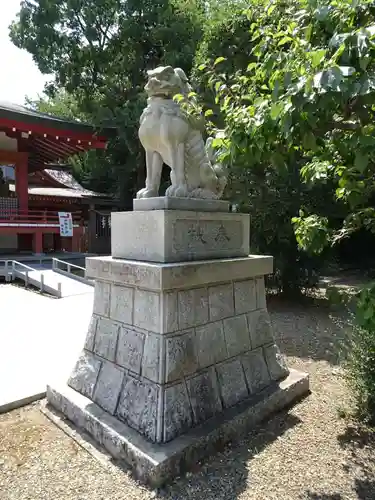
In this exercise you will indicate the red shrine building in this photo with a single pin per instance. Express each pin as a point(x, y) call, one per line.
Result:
point(36, 186)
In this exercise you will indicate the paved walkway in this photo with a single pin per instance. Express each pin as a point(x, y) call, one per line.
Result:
point(40, 338)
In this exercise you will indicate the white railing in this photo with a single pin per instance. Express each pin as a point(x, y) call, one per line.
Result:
point(13, 269)
point(58, 263)
point(6, 269)
point(24, 274)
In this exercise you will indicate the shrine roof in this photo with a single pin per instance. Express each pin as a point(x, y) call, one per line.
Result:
point(48, 138)
point(55, 183)
point(67, 181)
point(59, 192)
point(27, 115)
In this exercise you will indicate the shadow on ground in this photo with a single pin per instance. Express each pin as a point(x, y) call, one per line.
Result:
point(309, 329)
point(226, 475)
point(357, 440)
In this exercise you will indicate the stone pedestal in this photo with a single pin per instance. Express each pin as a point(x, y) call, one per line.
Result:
point(179, 235)
point(179, 355)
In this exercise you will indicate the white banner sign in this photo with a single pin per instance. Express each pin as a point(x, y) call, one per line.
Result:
point(66, 224)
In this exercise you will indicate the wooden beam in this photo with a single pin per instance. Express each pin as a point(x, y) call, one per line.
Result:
point(97, 141)
point(12, 157)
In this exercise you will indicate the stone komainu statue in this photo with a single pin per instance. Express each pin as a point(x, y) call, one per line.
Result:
point(168, 136)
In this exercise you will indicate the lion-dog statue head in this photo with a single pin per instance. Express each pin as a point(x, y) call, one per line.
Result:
point(166, 82)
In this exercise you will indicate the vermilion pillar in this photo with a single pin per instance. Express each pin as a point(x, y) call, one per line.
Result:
point(22, 183)
point(77, 234)
point(38, 242)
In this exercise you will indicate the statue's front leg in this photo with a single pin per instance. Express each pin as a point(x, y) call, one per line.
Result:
point(154, 166)
point(179, 187)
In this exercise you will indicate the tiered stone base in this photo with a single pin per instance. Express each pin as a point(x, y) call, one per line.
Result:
point(181, 345)
point(179, 355)
point(156, 464)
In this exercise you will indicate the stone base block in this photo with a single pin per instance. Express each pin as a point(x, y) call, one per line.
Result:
point(177, 276)
point(156, 464)
point(171, 203)
point(176, 235)
point(171, 345)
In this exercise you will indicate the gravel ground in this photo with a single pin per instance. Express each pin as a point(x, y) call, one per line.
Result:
point(308, 453)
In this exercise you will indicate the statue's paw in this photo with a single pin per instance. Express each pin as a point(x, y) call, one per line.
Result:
point(182, 192)
point(147, 193)
point(178, 191)
point(170, 191)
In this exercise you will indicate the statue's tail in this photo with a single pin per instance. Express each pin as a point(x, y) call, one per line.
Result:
point(222, 179)
point(218, 168)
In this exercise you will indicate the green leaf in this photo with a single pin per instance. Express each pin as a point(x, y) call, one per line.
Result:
point(209, 112)
point(331, 78)
point(364, 62)
point(338, 39)
point(276, 109)
point(178, 98)
point(339, 52)
point(367, 140)
point(309, 141)
point(218, 60)
point(260, 102)
point(361, 161)
point(252, 66)
point(308, 32)
point(284, 40)
point(369, 312)
point(277, 159)
point(201, 67)
point(317, 57)
point(217, 142)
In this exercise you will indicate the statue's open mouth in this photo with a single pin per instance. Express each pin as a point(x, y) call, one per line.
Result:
point(156, 88)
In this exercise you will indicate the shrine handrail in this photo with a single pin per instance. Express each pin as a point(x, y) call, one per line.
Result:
point(34, 216)
point(68, 272)
point(69, 265)
point(24, 275)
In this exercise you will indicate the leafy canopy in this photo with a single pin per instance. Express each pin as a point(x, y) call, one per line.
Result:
point(306, 101)
point(98, 51)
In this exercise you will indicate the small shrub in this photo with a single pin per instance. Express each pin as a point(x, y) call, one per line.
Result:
point(360, 363)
